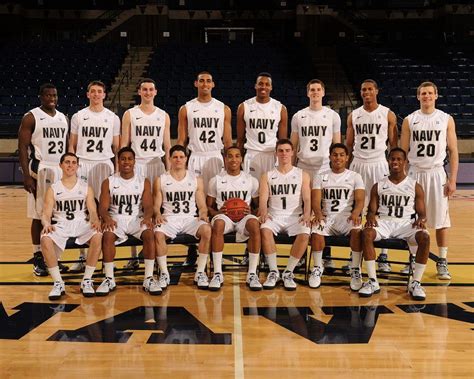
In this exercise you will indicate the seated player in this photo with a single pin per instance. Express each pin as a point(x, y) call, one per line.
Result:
point(342, 194)
point(284, 207)
point(178, 192)
point(67, 202)
point(233, 183)
point(396, 199)
point(126, 208)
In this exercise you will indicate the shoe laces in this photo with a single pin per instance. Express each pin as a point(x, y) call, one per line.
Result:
point(288, 275)
point(316, 271)
point(253, 278)
point(58, 285)
point(272, 275)
point(355, 273)
point(201, 276)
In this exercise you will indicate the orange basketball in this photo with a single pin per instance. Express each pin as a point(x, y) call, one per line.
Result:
point(235, 208)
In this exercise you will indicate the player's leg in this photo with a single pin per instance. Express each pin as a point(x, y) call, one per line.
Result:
point(217, 243)
point(356, 257)
point(269, 249)
point(51, 260)
point(39, 267)
point(108, 252)
point(317, 247)
point(204, 236)
point(95, 246)
point(371, 286)
point(252, 226)
point(414, 288)
point(150, 285)
point(161, 258)
point(298, 249)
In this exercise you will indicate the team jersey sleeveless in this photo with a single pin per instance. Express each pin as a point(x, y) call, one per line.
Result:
point(146, 132)
point(205, 125)
point(396, 200)
point(428, 139)
point(370, 133)
point(95, 132)
point(49, 137)
point(337, 191)
point(126, 195)
point(179, 196)
point(224, 186)
point(261, 124)
point(69, 204)
point(285, 192)
point(315, 131)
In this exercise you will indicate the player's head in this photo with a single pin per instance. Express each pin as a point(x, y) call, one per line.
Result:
point(338, 156)
point(96, 92)
point(369, 90)
point(233, 159)
point(315, 89)
point(69, 163)
point(284, 151)
point(65, 155)
point(397, 160)
point(126, 161)
point(427, 93)
point(178, 157)
point(204, 83)
point(48, 95)
point(147, 90)
point(263, 85)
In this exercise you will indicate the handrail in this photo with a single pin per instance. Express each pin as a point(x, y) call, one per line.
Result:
point(107, 15)
point(125, 76)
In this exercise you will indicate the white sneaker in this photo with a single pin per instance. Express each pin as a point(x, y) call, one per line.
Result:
point(329, 264)
point(253, 283)
point(151, 286)
point(416, 291)
point(383, 265)
point(370, 287)
point(107, 286)
point(216, 282)
point(315, 277)
point(201, 280)
point(356, 279)
point(79, 266)
point(442, 269)
point(164, 280)
point(87, 288)
point(57, 291)
point(272, 279)
point(288, 281)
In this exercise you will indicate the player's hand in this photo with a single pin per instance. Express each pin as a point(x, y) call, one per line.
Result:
point(148, 223)
point(305, 220)
point(96, 225)
point(247, 210)
point(160, 219)
point(223, 209)
point(29, 184)
point(318, 218)
point(109, 225)
point(263, 216)
point(48, 229)
point(355, 219)
point(203, 216)
point(449, 188)
point(371, 222)
point(420, 223)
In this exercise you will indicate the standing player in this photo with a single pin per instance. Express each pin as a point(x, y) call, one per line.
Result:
point(396, 199)
point(123, 197)
point(43, 135)
point(284, 207)
point(341, 192)
point(426, 134)
point(70, 202)
point(234, 183)
point(95, 134)
point(368, 129)
point(178, 192)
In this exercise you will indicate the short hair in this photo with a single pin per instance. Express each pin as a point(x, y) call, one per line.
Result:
point(371, 81)
point(232, 147)
point(284, 141)
point(146, 80)
point(203, 73)
point(426, 84)
point(178, 148)
point(96, 83)
point(399, 149)
point(265, 75)
point(68, 154)
point(315, 81)
point(338, 146)
point(46, 86)
point(125, 149)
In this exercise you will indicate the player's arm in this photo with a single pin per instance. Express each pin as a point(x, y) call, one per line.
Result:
point(294, 136)
point(452, 141)
point(240, 127)
point(227, 136)
point(116, 135)
point(72, 148)
point(92, 209)
point(306, 195)
point(283, 126)
point(392, 130)
point(420, 208)
point(254, 204)
point(108, 224)
point(373, 207)
point(25, 132)
point(158, 202)
point(263, 194)
point(126, 130)
point(182, 126)
point(405, 136)
point(167, 141)
point(350, 136)
point(147, 203)
point(47, 211)
point(316, 195)
point(201, 200)
point(359, 199)
point(212, 206)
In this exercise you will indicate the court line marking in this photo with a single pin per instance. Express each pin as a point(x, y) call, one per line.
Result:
point(238, 345)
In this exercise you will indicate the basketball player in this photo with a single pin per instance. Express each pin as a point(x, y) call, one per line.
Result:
point(396, 199)
point(43, 135)
point(146, 129)
point(123, 197)
point(368, 129)
point(178, 192)
point(234, 183)
point(426, 134)
point(341, 193)
point(69, 202)
point(284, 207)
point(95, 133)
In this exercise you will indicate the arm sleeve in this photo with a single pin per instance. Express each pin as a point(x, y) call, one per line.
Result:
point(358, 182)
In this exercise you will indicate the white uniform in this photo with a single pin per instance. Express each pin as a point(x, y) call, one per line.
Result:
point(285, 204)
point(179, 205)
point(223, 187)
point(95, 133)
point(337, 192)
point(427, 153)
point(261, 133)
point(315, 131)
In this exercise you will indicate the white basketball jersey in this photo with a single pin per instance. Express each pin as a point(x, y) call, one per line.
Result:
point(285, 192)
point(95, 132)
point(370, 133)
point(179, 196)
point(428, 139)
point(224, 186)
point(337, 191)
point(126, 195)
point(261, 124)
point(315, 132)
point(69, 204)
point(396, 200)
point(49, 137)
point(146, 133)
point(205, 125)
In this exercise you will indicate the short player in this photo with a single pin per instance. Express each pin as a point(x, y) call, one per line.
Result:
point(426, 134)
point(234, 183)
point(123, 197)
point(69, 202)
point(180, 194)
point(337, 200)
point(284, 207)
point(42, 140)
point(397, 200)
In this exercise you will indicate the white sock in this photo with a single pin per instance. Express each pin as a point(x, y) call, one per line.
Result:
point(418, 271)
point(162, 264)
point(292, 262)
point(443, 252)
point(133, 251)
point(89, 271)
point(149, 266)
point(201, 262)
point(55, 274)
point(253, 262)
point(36, 248)
point(272, 262)
point(370, 266)
point(109, 269)
point(217, 260)
point(318, 258)
point(384, 251)
point(356, 255)
point(83, 254)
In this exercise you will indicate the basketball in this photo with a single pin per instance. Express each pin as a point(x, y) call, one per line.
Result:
point(236, 208)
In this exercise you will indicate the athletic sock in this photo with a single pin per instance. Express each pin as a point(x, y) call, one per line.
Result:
point(253, 262)
point(292, 262)
point(318, 258)
point(162, 264)
point(55, 274)
point(370, 266)
point(217, 261)
point(272, 261)
point(355, 260)
point(201, 262)
point(109, 269)
point(149, 266)
point(89, 271)
point(443, 252)
point(418, 271)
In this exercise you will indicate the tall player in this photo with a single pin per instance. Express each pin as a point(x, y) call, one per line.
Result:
point(70, 204)
point(369, 127)
point(95, 134)
point(42, 134)
point(426, 134)
point(284, 207)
